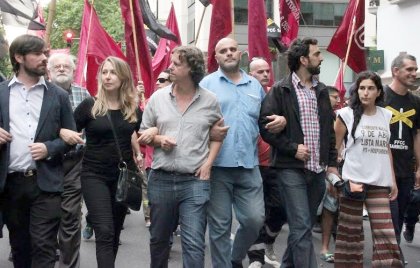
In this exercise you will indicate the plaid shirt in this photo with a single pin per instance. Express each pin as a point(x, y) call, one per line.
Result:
point(77, 95)
point(309, 120)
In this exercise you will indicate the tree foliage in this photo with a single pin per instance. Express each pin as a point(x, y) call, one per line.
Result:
point(68, 16)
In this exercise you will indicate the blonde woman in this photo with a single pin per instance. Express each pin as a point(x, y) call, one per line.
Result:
point(117, 97)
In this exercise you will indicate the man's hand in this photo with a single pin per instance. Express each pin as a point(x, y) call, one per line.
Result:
point(71, 137)
point(140, 89)
point(167, 143)
point(146, 136)
point(204, 172)
point(218, 131)
point(4, 136)
point(38, 150)
point(302, 153)
point(277, 124)
point(417, 180)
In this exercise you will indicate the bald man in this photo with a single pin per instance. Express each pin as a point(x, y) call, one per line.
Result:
point(260, 69)
point(235, 178)
point(262, 251)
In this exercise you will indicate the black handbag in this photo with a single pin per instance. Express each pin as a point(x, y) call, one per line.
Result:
point(358, 196)
point(129, 181)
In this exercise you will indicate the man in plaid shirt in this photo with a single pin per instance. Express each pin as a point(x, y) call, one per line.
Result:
point(305, 150)
point(61, 68)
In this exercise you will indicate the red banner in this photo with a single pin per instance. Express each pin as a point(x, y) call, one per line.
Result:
point(94, 47)
point(350, 36)
point(289, 20)
point(162, 58)
point(137, 48)
point(220, 27)
point(257, 33)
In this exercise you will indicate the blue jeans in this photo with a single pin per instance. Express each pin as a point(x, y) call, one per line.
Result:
point(243, 189)
point(301, 192)
point(172, 194)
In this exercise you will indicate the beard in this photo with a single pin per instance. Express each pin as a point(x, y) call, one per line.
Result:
point(230, 67)
point(314, 70)
point(36, 72)
point(63, 79)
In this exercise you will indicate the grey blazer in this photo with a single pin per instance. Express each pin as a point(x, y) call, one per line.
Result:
point(56, 113)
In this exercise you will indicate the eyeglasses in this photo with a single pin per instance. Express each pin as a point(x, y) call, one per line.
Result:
point(59, 66)
point(162, 80)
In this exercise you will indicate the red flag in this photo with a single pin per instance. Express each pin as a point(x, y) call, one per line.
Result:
point(257, 33)
point(289, 20)
point(352, 27)
point(137, 48)
point(220, 27)
point(95, 45)
point(162, 58)
point(339, 84)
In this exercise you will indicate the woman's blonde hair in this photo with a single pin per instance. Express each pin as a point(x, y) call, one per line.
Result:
point(127, 96)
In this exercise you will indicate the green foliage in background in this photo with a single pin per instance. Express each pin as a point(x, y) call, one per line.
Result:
point(68, 16)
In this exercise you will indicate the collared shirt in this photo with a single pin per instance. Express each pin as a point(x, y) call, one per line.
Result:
point(191, 129)
point(309, 120)
point(77, 95)
point(240, 105)
point(24, 111)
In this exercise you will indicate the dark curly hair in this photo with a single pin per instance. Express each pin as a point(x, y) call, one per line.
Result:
point(355, 102)
point(297, 49)
point(195, 60)
point(24, 45)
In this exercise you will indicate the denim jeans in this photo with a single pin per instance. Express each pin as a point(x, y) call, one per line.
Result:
point(183, 194)
point(399, 206)
point(243, 189)
point(301, 192)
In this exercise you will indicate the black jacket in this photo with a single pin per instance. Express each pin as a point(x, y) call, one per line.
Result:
point(282, 100)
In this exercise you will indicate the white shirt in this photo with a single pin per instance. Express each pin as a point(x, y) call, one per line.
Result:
point(24, 111)
point(366, 158)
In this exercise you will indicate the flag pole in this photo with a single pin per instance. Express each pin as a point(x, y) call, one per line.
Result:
point(136, 52)
point(232, 3)
point(51, 15)
point(199, 25)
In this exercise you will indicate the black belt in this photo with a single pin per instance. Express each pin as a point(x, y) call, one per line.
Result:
point(174, 173)
point(30, 173)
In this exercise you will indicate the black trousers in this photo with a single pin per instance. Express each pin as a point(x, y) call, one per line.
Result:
point(69, 232)
point(106, 216)
point(275, 215)
point(32, 217)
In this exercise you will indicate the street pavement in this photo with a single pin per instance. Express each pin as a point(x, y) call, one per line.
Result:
point(134, 251)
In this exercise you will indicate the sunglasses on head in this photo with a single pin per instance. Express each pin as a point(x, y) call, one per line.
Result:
point(162, 80)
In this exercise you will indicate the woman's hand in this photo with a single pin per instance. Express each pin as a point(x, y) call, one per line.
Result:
point(394, 192)
point(138, 159)
point(71, 137)
point(147, 136)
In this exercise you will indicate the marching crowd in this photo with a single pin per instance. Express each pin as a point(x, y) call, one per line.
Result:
point(211, 144)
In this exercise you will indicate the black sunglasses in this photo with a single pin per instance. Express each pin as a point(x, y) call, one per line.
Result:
point(162, 80)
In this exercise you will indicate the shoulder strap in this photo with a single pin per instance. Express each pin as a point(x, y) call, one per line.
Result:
point(115, 137)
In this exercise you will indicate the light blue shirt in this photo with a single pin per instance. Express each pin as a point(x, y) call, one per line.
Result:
point(240, 104)
point(24, 111)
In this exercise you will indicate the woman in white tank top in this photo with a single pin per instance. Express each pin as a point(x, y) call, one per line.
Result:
point(367, 169)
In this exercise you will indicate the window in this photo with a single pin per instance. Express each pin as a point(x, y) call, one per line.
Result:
point(241, 10)
point(321, 14)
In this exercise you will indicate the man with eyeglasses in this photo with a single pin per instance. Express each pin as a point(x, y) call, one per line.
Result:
point(163, 79)
point(32, 112)
point(61, 69)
